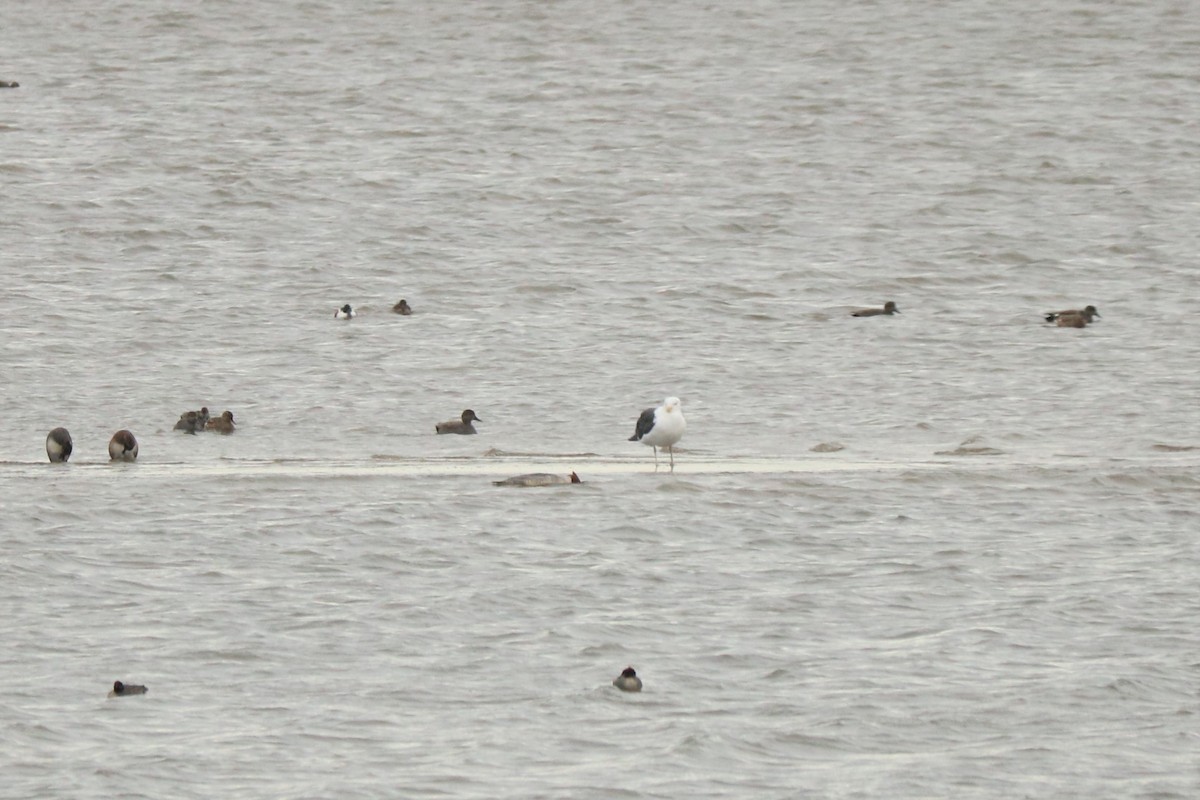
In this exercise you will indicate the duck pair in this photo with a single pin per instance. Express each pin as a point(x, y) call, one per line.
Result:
point(346, 312)
point(196, 421)
point(122, 446)
point(1073, 317)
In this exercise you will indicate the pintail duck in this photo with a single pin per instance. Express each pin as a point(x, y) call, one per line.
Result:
point(345, 312)
point(125, 689)
point(123, 447)
point(459, 425)
point(628, 681)
point(539, 479)
point(1089, 313)
point(402, 308)
point(661, 427)
point(888, 308)
point(223, 423)
point(59, 445)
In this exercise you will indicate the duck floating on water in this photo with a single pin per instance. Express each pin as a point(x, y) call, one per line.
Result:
point(889, 308)
point(223, 423)
point(462, 425)
point(193, 421)
point(539, 479)
point(126, 689)
point(628, 681)
point(1089, 314)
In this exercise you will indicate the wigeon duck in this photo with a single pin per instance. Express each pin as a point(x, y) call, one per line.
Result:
point(123, 447)
point(628, 681)
point(888, 308)
point(459, 425)
point(58, 445)
point(661, 427)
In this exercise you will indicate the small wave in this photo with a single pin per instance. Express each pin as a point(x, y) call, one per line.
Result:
point(970, 451)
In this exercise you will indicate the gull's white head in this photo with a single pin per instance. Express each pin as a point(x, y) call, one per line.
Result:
point(671, 404)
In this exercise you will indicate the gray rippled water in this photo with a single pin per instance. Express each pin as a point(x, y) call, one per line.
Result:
point(946, 553)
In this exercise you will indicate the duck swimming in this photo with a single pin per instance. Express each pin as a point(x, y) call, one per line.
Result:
point(189, 422)
point(1089, 313)
point(628, 681)
point(888, 308)
point(125, 689)
point(402, 308)
point(462, 425)
point(223, 423)
point(192, 421)
point(345, 312)
point(539, 479)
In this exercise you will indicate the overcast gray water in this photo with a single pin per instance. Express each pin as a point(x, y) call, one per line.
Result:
point(950, 553)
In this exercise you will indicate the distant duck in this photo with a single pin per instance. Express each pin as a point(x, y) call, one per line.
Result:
point(628, 681)
point(459, 425)
point(1089, 313)
point(345, 312)
point(126, 689)
point(661, 427)
point(123, 447)
point(9, 85)
point(402, 308)
point(223, 423)
point(888, 308)
point(59, 445)
point(539, 479)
